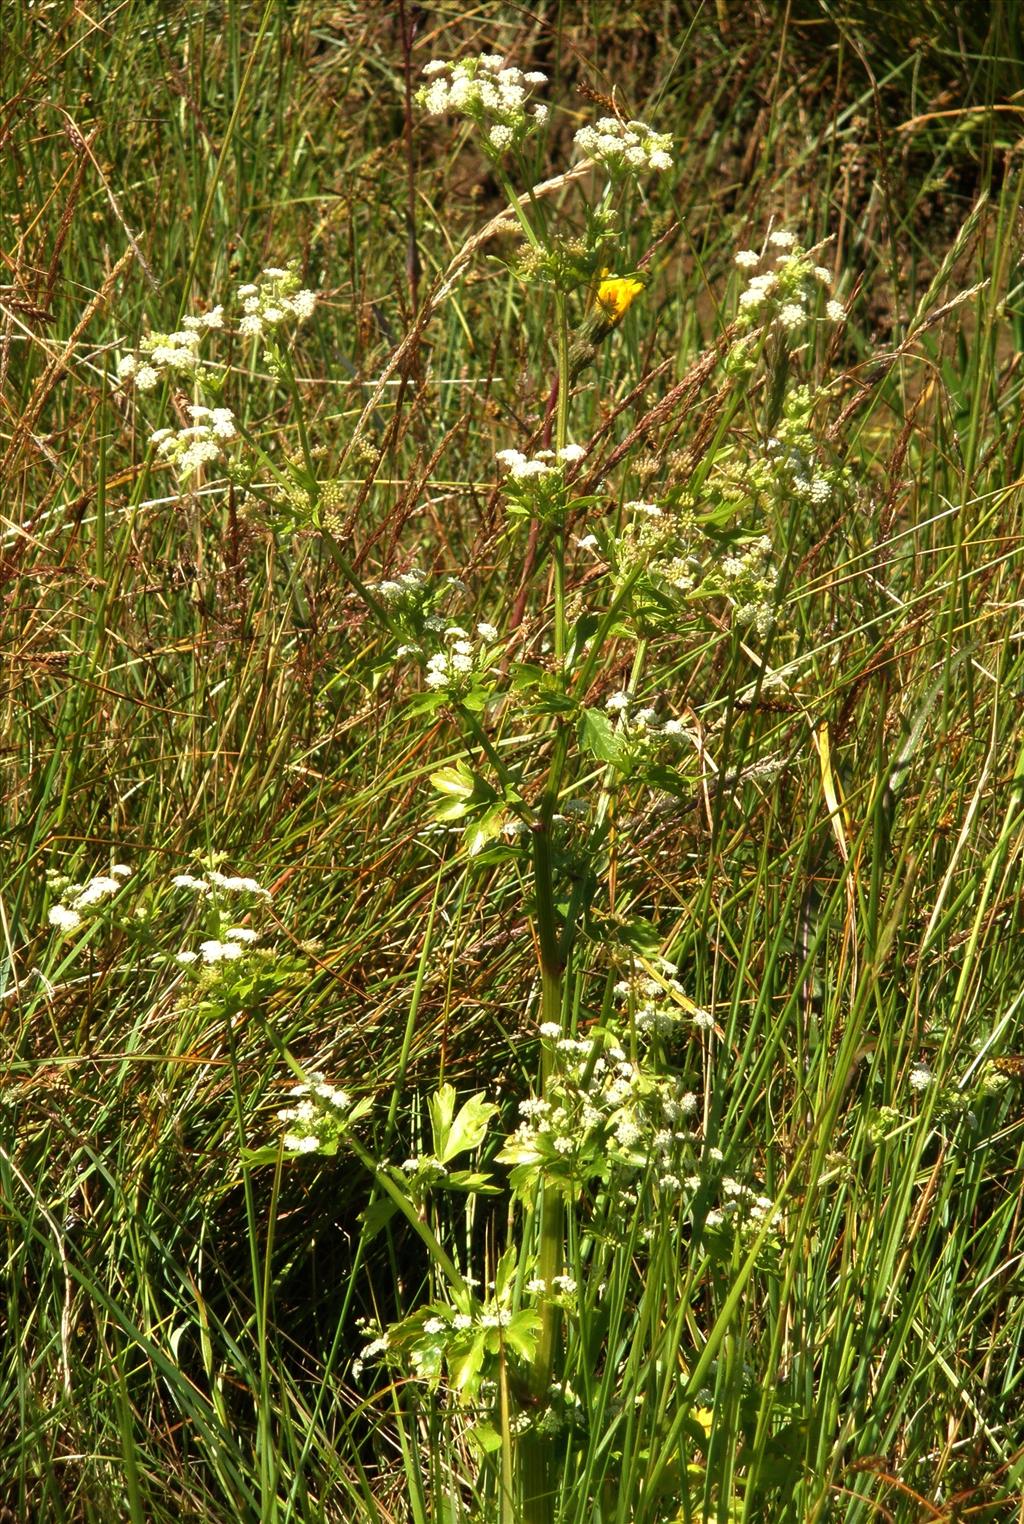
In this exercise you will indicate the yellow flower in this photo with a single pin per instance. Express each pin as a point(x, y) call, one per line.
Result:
point(705, 1417)
point(616, 292)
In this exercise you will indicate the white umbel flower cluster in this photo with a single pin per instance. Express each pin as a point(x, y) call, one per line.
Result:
point(201, 444)
point(318, 1117)
point(486, 91)
point(275, 298)
point(786, 294)
point(521, 469)
point(540, 486)
point(625, 148)
point(166, 355)
point(452, 669)
point(75, 899)
point(214, 882)
point(660, 1007)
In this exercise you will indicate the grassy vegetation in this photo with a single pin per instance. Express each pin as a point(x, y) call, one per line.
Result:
point(795, 908)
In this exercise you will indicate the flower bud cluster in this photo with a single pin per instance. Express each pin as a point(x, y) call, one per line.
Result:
point(625, 148)
point(78, 899)
point(318, 1119)
point(789, 466)
point(402, 594)
point(740, 1207)
point(600, 1109)
point(660, 1007)
point(786, 294)
point(496, 97)
point(165, 355)
point(272, 300)
point(639, 723)
point(443, 1333)
point(201, 444)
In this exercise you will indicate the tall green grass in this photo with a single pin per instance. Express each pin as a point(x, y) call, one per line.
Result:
point(189, 683)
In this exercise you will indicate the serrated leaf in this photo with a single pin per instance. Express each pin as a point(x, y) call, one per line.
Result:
point(486, 829)
point(457, 782)
point(464, 1370)
point(469, 1128)
point(598, 737)
point(521, 1334)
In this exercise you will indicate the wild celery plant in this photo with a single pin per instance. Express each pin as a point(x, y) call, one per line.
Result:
point(571, 1353)
point(867, 1355)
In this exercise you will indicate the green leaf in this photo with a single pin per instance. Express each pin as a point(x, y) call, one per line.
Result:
point(377, 1216)
point(598, 737)
point(484, 1438)
point(465, 1369)
point(521, 1334)
point(469, 1128)
point(457, 782)
point(486, 829)
point(441, 1106)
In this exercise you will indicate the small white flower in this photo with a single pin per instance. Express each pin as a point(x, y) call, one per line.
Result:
point(146, 378)
point(187, 881)
point(302, 304)
point(782, 239)
point(835, 311)
point(550, 1029)
point(186, 956)
point(617, 703)
point(486, 631)
point(120, 870)
point(219, 952)
point(435, 1326)
point(571, 453)
point(747, 259)
point(64, 918)
point(242, 934)
point(920, 1077)
point(791, 315)
point(651, 510)
point(523, 470)
point(300, 1143)
point(96, 889)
